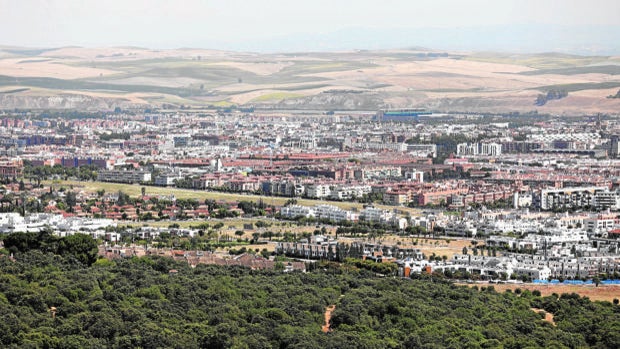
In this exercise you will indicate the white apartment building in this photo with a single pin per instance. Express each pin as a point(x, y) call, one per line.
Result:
point(349, 192)
point(422, 149)
point(400, 147)
point(318, 191)
point(373, 214)
point(293, 211)
point(520, 200)
point(578, 197)
point(123, 176)
point(334, 213)
point(601, 223)
point(490, 149)
point(415, 176)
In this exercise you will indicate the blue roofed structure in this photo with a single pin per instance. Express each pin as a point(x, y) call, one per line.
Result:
point(400, 114)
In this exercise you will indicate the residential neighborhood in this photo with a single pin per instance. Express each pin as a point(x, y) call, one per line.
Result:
point(541, 199)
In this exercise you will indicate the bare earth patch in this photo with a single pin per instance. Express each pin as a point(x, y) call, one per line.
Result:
point(600, 293)
point(548, 315)
point(328, 316)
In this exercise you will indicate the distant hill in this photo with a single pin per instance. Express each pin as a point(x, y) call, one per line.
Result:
point(128, 77)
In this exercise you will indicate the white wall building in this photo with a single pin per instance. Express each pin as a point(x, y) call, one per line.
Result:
point(122, 176)
point(318, 191)
point(490, 149)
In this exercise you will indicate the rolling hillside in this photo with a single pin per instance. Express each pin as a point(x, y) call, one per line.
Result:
point(105, 78)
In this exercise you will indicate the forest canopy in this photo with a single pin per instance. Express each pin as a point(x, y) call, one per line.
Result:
point(155, 302)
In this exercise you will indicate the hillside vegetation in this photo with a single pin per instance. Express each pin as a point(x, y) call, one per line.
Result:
point(158, 303)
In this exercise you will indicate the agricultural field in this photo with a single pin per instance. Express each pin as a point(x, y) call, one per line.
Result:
point(350, 80)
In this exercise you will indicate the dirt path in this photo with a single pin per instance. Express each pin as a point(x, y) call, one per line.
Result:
point(548, 315)
point(328, 316)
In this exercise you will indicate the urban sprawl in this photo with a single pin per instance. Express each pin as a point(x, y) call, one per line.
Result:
point(528, 197)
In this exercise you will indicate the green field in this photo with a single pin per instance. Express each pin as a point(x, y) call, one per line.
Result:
point(135, 190)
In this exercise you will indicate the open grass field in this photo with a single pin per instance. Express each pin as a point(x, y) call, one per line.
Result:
point(135, 190)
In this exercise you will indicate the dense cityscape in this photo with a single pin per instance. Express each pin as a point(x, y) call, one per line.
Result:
point(537, 196)
point(310, 174)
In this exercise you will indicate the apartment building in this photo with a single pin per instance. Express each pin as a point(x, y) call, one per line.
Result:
point(577, 197)
point(318, 191)
point(490, 149)
point(124, 176)
point(11, 168)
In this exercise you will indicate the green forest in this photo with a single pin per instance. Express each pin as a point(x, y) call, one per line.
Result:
point(153, 302)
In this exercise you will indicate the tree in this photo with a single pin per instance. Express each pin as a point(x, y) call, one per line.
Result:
point(81, 246)
point(261, 224)
point(123, 199)
point(465, 250)
point(70, 200)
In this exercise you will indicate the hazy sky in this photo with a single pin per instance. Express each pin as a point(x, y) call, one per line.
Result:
point(195, 23)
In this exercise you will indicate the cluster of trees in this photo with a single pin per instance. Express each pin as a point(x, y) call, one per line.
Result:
point(80, 247)
point(83, 173)
point(379, 268)
point(69, 115)
point(617, 95)
point(495, 205)
point(542, 99)
point(155, 302)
